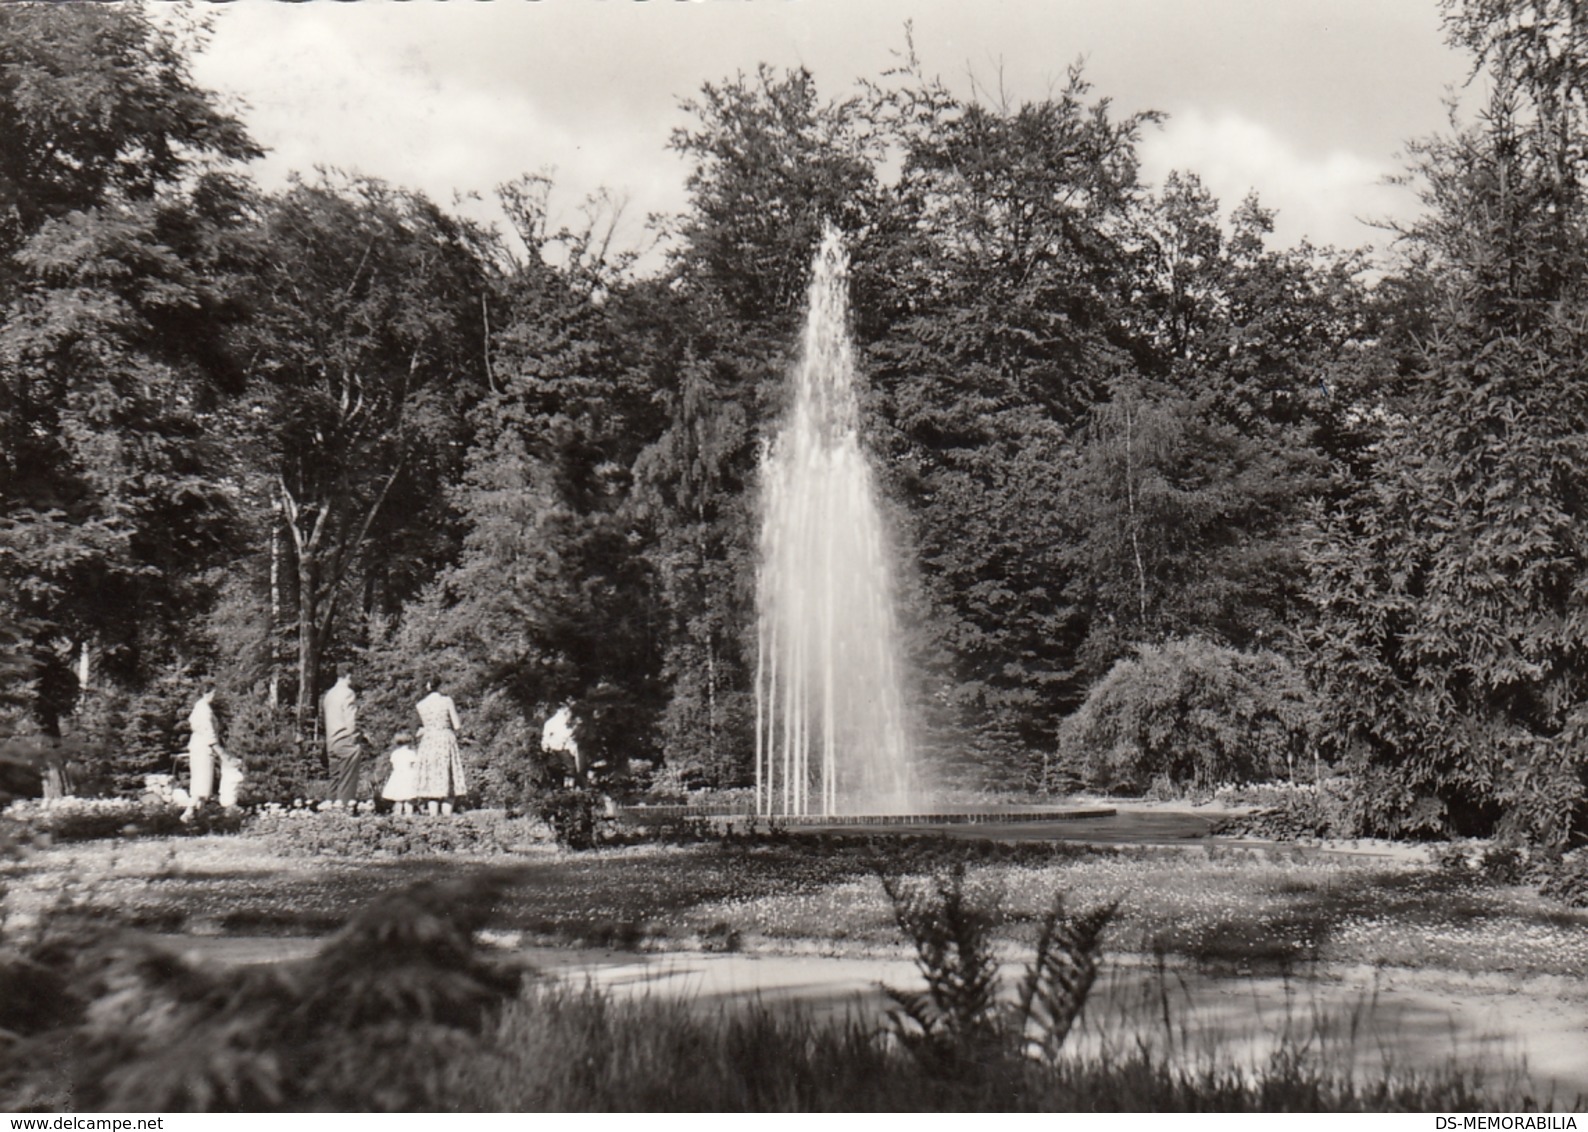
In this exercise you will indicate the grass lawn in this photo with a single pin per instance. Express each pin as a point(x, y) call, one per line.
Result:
point(1245, 933)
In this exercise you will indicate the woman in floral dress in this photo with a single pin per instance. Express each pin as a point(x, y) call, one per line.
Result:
point(438, 764)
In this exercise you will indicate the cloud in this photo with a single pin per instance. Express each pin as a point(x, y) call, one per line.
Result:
point(1329, 197)
point(446, 98)
point(378, 99)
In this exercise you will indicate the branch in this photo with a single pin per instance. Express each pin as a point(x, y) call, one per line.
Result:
point(485, 316)
point(337, 572)
point(291, 506)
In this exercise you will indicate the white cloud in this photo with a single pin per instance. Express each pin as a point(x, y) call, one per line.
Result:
point(373, 99)
point(446, 98)
point(1329, 197)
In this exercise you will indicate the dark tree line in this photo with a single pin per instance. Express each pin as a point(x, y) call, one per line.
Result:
point(245, 434)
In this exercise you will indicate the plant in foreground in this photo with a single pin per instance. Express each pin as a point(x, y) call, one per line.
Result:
point(958, 1021)
point(371, 1022)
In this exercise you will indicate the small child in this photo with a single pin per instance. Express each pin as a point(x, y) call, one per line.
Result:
point(400, 786)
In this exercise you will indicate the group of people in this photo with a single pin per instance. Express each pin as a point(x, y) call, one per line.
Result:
point(426, 765)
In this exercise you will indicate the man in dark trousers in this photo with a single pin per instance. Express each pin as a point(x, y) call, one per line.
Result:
point(340, 706)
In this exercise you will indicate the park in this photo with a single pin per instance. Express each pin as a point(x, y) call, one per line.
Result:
point(949, 625)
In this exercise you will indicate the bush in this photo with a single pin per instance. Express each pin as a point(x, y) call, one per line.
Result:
point(335, 833)
point(1566, 879)
point(1194, 712)
point(577, 817)
point(1292, 813)
point(92, 819)
point(276, 768)
point(376, 1021)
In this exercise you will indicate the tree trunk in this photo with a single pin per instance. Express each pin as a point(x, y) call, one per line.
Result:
point(1135, 520)
point(308, 648)
point(323, 553)
point(275, 604)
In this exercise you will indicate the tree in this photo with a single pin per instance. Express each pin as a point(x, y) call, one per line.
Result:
point(1005, 328)
point(114, 290)
point(365, 347)
point(97, 104)
point(550, 599)
point(1449, 638)
point(1179, 525)
point(770, 162)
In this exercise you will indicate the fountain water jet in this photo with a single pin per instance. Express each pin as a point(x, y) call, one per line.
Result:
point(830, 729)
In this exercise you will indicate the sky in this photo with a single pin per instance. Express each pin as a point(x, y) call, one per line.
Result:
point(1309, 102)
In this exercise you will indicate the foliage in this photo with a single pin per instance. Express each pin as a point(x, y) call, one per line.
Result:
point(1182, 524)
point(1197, 712)
point(576, 817)
point(566, 1049)
point(371, 1022)
point(115, 283)
point(957, 1024)
point(1567, 879)
point(1318, 810)
point(94, 104)
point(343, 836)
point(91, 819)
point(769, 163)
point(952, 936)
point(364, 347)
point(403, 1011)
point(1447, 644)
point(1001, 327)
point(552, 599)
point(1110, 419)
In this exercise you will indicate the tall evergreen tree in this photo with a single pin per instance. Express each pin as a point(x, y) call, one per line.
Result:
point(1450, 639)
point(1005, 327)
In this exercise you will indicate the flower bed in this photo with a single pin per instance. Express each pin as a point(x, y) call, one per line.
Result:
point(90, 819)
point(335, 833)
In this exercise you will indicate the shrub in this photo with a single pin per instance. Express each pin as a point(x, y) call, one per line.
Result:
point(1566, 879)
point(576, 817)
point(92, 819)
point(1197, 713)
point(307, 833)
point(276, 768)
point(370, 1023)
point(1292, 813)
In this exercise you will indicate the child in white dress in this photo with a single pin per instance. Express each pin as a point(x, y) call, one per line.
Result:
point(400, 786)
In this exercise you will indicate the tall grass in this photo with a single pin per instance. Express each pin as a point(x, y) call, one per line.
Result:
point(565, 1048)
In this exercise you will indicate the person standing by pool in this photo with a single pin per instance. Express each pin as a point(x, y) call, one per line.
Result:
point(342, 757)
point(438, 767)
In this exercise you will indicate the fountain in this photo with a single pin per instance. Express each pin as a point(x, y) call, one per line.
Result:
point(832, 748)
point(830, 727)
